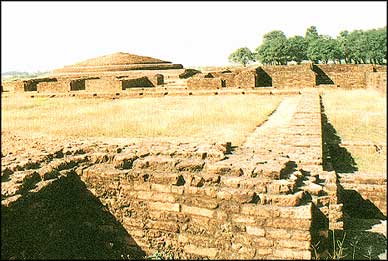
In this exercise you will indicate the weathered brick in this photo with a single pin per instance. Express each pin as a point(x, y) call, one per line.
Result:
point(124, 161)
point(300, 212)
point(286, 253)
point(201, 251)
point(169, 179)
point(294, 244)
point(203, 202)
point(262, 242)
point(138, 185)
point(191, 165)
point(228, 181)
point(164, 206)
point(197, 211)
point(277, 233)
point(163, 225)
point(238, 218)
point(302, 224)
point(257, 210)
point(257, 231)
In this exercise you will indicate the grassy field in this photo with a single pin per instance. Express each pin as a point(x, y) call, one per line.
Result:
point(215, 118)
point(359, 116)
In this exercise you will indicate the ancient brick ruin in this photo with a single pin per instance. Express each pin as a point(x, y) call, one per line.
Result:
point(188, 199)
point(129, 75)
point(111, 73)
point(191, 200)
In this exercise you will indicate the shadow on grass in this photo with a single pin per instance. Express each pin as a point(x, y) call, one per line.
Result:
point(357, 245)
point(63, 221)
point(355, 206)
point(341, 159)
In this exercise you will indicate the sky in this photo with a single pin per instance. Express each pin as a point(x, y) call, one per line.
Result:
point(41, 36)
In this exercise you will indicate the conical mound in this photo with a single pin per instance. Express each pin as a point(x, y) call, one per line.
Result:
point(120, 58)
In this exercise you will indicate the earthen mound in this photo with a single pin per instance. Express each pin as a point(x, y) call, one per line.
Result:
point(119, 58)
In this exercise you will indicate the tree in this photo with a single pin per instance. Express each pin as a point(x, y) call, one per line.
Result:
point(324, 49)
point(343, 44)
point(273, 48)
point(311, 34)
point(296, 48)
point(358, 46)
point(377, 45)
point(242, 56)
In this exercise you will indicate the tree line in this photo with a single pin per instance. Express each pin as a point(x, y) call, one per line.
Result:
point(355, 47)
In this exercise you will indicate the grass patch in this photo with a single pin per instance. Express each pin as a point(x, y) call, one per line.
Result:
point(359, 116)
point(218, 118)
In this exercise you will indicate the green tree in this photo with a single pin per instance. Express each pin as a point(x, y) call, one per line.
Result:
point(311, 37)
point(311, 34)
point(343, 44)
point(273, 48)
point(377, 45)
point(242, 55)
point(324, 49)
point(358, 46)
point(296, 48)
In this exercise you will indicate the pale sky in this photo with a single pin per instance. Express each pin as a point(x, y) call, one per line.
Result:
point(48, 35)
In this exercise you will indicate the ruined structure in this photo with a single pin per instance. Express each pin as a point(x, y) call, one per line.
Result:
point(294, 76)
point(111, 73)
point(189, 200)
point(125, 73)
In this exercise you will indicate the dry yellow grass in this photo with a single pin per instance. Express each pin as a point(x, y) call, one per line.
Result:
point(359, 116)
point(215, 118)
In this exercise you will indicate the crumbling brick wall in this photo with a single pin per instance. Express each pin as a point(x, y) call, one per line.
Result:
point(204, 83)
point(58, 86)
point(245, 79)
point(377, 80)
point(290, 76)
point(214, 80)
point(202, 200)
point(347, 75)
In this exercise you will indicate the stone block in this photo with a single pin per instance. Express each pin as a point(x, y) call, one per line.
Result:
point(201, 251)
point(163, 206)
point(197, 211)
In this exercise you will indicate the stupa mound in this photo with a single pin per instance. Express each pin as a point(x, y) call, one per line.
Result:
point(119, 58)
point(117, 62)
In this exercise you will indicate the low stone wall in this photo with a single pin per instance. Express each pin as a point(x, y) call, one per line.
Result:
point(377, 80)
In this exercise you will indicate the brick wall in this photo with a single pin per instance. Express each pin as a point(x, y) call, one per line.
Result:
point(377, 80)
point(55, 87)
point(346, 75)
point(204, 83)
point(289, 76)
point(245, 79)
point(106, 84)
